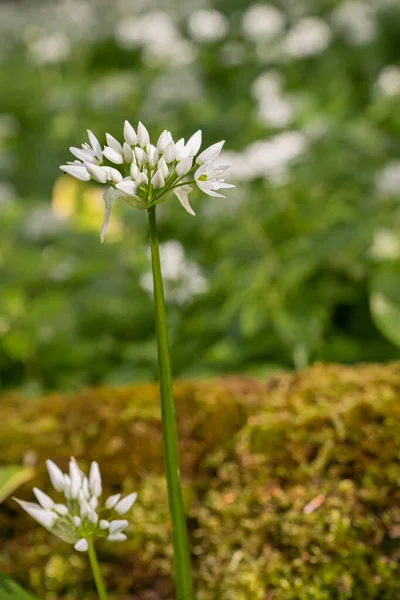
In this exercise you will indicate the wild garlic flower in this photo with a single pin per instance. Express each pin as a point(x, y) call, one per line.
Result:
point(143, 174)
point(82, 516)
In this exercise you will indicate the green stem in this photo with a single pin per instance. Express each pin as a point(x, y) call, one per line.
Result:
point(96, 571)
point(183, 572)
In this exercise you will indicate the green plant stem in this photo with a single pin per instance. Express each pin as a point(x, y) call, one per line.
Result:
point(183, 571)
point(96, 571)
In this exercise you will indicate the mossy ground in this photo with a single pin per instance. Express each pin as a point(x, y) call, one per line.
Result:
point(291, 486)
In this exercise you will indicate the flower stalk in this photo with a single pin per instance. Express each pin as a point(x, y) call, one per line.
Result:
point(182, 564)
point(101, 590)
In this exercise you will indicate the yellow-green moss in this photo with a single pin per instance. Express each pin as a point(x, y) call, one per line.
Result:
point(291, 487)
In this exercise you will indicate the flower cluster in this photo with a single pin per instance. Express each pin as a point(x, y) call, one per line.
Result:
point(143, 174)
point(79, 519)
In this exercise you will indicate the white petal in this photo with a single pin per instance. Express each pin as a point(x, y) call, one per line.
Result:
point(94, 502)
point(112, 501)
point(182, 194)
point(125, 504)
point(207, 189)
point(85, 488)
point(157, 180)
point(142, 135)
point(152, 154)
point(114, 175)
point(118, 525)
point(222, 185)
point(141, 179)
point(92, 517)
point(104, 524)
point(117, 537)
point(163, 167)
point(128, 187)
point(210, 154)
point(170, 153)
point(83, 154)
point(44, 500)
point(113, 143)
point(183, 167)
point(134, 170)
point(95, 479)
point(85, 509)
point(76, 478)
point(56, 476)
point(82, 545)
point(67, 487)
point(113, 156)
point(77, 172)
point(163, 141)
point(181, 150)
point(42, 516)
point(128, 153)
point(194, 143)
point(129, 134)
point(96, 172)
point(141, 156)
point(61, 509)
point(77, 521)
point(94, 142)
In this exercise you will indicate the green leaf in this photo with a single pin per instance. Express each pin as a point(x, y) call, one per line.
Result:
point(9, 590)
point(11, 477)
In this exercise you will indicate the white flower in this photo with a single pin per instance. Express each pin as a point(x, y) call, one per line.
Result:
point(79, 172)
point(82, 545)
point(157, 180)
point(210, 154)
point(143, 135)
point(113, 155)
point(129, 134)
point(308, 37)
point(262, 22)
point(143, 174)
point(125, 504)
point(207, 25)
point(182, 194)
point(163, 141)
point(78, 520)
point(208, 179)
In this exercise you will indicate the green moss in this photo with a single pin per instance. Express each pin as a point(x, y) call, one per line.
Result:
point(291, 487)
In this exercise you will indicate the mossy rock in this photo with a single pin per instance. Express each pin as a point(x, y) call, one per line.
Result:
point(291, 486)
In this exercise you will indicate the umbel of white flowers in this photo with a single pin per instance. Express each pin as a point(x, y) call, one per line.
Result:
point(81, 517)
point(144, 174)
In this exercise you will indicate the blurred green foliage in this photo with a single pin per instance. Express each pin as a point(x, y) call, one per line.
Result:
point(295, 265)
point(291, 487)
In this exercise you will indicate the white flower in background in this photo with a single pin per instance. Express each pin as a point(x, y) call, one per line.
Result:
point(385, 245)
point(157, 35)
point(81, 516)
point(273, 107)
point(388, 179)
point(309, 36)
point(269, 159)
point(388, 82)
point(143, 174)
point(357, 22)
point(207, 25)
point(262, 22)
point(183, 278)
point(54, 48)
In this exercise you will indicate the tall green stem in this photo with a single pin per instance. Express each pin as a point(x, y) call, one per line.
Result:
point(183, 572)
point(96, 571)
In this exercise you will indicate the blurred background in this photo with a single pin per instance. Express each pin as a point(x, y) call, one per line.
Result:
point(300, 263)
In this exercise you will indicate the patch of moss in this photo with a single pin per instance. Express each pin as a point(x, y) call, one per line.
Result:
point(291, 486)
